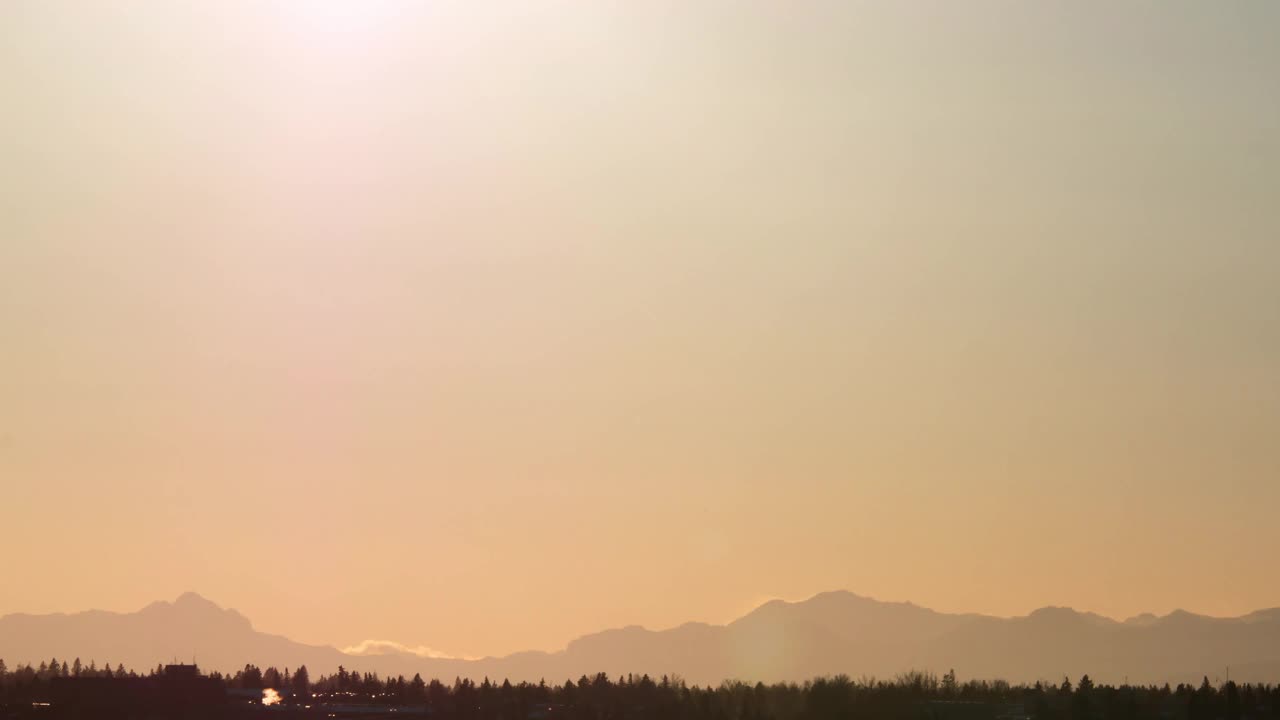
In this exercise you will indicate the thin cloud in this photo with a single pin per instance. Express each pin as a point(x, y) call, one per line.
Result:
point(391, 647)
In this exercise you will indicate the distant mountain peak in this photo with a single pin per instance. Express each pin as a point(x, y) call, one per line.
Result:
point(1267, 615)
point(827, 597)
point(839, 596)
point(1143, 620)
point(1059, 613)
point(191, 607)
point(1053, 611)
point(195, 600)
point(189, 601)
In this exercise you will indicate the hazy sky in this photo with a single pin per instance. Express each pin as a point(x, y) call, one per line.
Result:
point(480, 326)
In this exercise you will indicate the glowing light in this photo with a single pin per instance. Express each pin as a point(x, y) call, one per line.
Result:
point(270, 697)
point(340, 16)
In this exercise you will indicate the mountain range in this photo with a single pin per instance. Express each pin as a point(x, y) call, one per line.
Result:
point(830, 633)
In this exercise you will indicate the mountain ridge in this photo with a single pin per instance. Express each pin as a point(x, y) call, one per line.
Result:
point(829, 633)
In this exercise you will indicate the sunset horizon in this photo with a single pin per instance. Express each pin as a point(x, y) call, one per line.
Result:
point(454, 330)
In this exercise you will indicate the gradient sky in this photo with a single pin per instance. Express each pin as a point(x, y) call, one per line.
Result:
point(480, 326)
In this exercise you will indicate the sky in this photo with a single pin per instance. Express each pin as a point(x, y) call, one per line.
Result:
point(481, 326)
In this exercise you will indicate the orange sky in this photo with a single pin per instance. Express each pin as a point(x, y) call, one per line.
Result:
point(480, 327)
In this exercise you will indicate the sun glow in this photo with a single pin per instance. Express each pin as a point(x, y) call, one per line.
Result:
point(338, 18)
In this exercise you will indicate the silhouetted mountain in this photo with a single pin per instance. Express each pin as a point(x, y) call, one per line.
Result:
point(191, 626)
point(836, 632)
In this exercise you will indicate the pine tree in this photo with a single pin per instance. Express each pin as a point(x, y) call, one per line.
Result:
point(417, 689)
point(252, 677)
point(301, 682)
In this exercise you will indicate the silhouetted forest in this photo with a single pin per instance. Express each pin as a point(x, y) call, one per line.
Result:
point(918, 695)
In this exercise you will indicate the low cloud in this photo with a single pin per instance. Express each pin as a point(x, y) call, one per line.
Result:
point(391, 647)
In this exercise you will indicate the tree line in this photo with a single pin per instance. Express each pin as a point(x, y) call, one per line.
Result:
point(910, 696)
